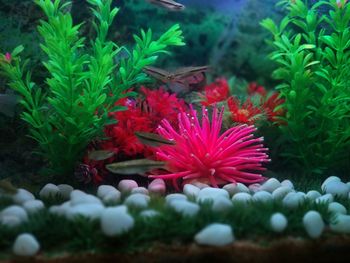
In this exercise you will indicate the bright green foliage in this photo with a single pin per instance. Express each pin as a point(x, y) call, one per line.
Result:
point(313, 54)
point(70, 109)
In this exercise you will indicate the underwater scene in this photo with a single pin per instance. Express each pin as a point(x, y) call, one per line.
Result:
point(174, 130)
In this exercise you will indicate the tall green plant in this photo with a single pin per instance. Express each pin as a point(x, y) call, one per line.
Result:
point(70, 109)
point(313, 56)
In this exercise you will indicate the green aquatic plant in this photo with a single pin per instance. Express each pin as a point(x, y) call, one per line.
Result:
point(312, 50)
point(71, 108)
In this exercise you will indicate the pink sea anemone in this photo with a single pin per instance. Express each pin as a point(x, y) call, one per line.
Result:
point(202, 154)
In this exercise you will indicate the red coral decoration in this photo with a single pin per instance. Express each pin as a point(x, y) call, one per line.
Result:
point(254, 88)
point(246, 113)
point(270, 105)
point(215, 92)
point(201, 153)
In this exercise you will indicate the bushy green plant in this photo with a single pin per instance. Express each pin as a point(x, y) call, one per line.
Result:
point(70, 109)
point(312, 51)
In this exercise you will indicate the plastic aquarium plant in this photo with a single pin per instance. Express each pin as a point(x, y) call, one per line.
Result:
point(312, 51)
point(71, 108)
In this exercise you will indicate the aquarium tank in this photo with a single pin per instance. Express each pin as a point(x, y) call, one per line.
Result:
point(181, 130)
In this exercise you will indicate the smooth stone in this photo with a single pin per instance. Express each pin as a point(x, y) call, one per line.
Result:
point(185, 207)
point(312, 195)
point(254, 188)
point(191, 190)
point(210, 193)
point(26, 245)
point(270, 185)
point(112, 197)
point(103, 190)
point(127, 185)
point(33, 206)
point(327, 198)
point(293, 200)
point(278, 222)
point(65, 190)
point(157, 186)
point(15, 210)
point(89, 210)
point(137, 200)
point(172, 197)
point(233, 188)
point(49, 191)
point(78, 197)
point(262, 196)
point(341, 224)
point(10, 220)
point(287, 183)
point(241, 198)
point(221, 204)
point(215, 235)
point(150, 213)
point(337, 189)
point(337, 208)
point(313, 224)
point(22, 196)
point(328, 180)
point(200, 185)
point(140, 190)
point(281, 192)
point(60, 210)
point(116, 221)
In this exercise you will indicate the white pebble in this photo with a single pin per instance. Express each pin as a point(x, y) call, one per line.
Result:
point(328, 180)
point(103, 190)
point(287, 183)
point(125, 186)
point(200, 185)
point(157, 186)
point(185, 208)
point(140, 190)
point(22, 196)
point(60, 210)
point(233, 188)
point(293, 200)
point(116, 221)
point(341, 224)
point(65, 190)
point(215, 235)
point(253, 188)
point(137, 200)
point(327, 198)
point(10, 220)
point(112, 197)
point(337, 208)
point(78, 197)
point(262, 196)
point(49, 190)
point(312, 195)
point(89, 210)
point(278, 222)
point(337, 189)
point(210, 193)
point(313, 224)
point(191, 190)
point(281, 192)
point(221, 204)
point(241, 198)
point(15, 210)
point(26, 245)
point(172, 197)
point(33, 206)
point(150, 213)
point(270, 185)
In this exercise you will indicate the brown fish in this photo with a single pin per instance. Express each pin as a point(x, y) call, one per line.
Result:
point(100, 155)
point(152, 139)
point(168, 4)
point(139, 166)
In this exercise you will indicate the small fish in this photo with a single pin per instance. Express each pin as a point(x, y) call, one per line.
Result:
point(7, 187)
point(152, 139)
point(168, 4)
point(100, 155)
point(8, 103)
point(139, 166)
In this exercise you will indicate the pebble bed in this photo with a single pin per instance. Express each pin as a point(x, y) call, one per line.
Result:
point(110, 207)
